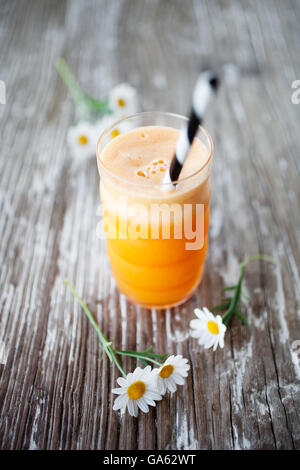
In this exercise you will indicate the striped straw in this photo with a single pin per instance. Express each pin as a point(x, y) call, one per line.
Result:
point(206, 85)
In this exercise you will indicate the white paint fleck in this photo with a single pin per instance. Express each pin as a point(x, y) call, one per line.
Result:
point(185, 438)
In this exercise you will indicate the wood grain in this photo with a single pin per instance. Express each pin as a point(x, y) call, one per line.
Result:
point(55, 389)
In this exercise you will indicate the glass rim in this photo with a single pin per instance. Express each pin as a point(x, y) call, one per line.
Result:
point(148, 113)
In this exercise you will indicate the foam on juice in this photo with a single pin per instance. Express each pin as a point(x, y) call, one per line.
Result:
point(143, 155)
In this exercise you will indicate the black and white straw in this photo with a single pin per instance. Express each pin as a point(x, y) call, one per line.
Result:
point(206, 85)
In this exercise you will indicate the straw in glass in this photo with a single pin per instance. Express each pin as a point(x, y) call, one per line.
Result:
point(206, 85)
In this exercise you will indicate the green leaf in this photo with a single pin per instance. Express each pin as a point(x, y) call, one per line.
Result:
point(97, 105)
point(139, 355)
point(246, 297)
point(241, 317)
point(220, 307)
point(143, 361)
point(258, 256)
point(229, 299)
point(143, 354)
point(227, 317)
point(86, 106)
point(237, 290)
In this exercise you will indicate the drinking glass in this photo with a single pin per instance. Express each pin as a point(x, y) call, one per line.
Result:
point(155, 267)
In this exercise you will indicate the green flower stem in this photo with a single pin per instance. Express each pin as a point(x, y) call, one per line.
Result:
point(237, 290)
point(139, 356)
point(117, 362)
point(97, 105)
point(105, 343)
point(246, 297)
point(81, 99)
point(72, 84)
point(241, 317)
point(268, 258)
point(220, 307)
point(236, 297)
point(144, 356)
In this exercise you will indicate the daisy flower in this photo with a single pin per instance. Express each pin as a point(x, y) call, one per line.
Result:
point(120, 128)
point(137, 391)
point(82, 140)
point(172, 373)
point(208, 329)
point(123, 100)
point(107, 121)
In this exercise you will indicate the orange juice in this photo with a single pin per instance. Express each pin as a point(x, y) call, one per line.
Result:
point(156, 233)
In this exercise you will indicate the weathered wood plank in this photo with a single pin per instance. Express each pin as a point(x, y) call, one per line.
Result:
point(55, 390)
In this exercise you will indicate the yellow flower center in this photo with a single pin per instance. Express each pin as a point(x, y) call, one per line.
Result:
point(136, 390)
point(213, 327)
point(82, 139)
point(166, 371)
point(115, 133)
point(121, 102)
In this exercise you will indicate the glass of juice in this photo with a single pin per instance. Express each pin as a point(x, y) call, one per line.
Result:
point(156, 232)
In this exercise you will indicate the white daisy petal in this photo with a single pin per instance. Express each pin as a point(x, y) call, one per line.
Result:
point(122, 382)
point(209, 343)
point(103, 123)
point(179, 380)
point(151, 402)
point(131, 408)
point(145, 373)
point(119, 402)
point(205, 309)
point(183, 372)
point(208, 329)
point(137, 374)
point(184, 360)
point(118, 391)
point(182, 365)
point(200, 314)
point(196, 323)
point(82, 140)
point(158, 383)
point(154, 394)
point(172, 373)
point(123, 100)
point(195, 334)
point(161, 386)
point(170, 359)
point(142, 404)
point(171, 385)
point(133, 394)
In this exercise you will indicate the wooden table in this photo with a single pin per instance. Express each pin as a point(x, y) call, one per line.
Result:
point(55, 391)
